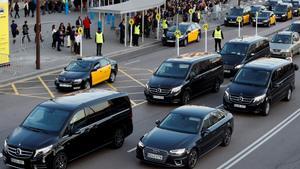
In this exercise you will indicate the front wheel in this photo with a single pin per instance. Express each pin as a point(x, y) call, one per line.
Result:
point(288, 95)
point(87, 85)
point(227, 138)
point(192, 159)
point(60, 161)
point(185, 98)
point(266, 109)
point(112, 77)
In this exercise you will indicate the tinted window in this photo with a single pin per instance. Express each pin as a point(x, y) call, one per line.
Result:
point(104, 62)
point(254, 77)
point(207, 123)
point(281, 38)
point(46, 119)
point(181, 27)
point(121, 103)
point(281, 8)
point(79, 66)
point(78, 120)
point(264, 14)
point(236, 49)
point(201, 67)
point(101, 110)
point(236, 12)
point(282, 73)
point(255, 9)
point(181, 123)
point(173, 69)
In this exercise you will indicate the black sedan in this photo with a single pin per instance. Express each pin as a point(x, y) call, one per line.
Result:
point(185, 134)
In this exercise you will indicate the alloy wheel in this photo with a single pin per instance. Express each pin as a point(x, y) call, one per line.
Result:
point(193, 158)
point(60, 161)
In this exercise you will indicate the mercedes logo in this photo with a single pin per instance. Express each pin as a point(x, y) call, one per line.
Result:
point(18, 151)
point(241, 98)
point(159, 90)
point(155, 150)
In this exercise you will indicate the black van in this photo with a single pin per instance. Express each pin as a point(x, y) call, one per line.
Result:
point(62, 129)
point(259, 84)
point(178, 79)
point(239, 51)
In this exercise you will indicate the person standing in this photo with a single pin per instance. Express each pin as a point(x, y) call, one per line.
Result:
point(136, 34)
point(26, 9)
point(60, 39)
point(17, 9)
point(218, 36)
point(25, 31)
point(68, 35)
point(72, 38)
point(122, 31)
point(164, 26)
point(99, 39)
point(14, 30)
point(35, 31)
point(87, 26)
point(63, 29)
point(78, 22)
point(31, 7)
point(77, 42)
point(54, 38)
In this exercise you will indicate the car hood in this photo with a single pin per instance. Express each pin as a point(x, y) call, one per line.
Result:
point(231, 17)
point(246, 90)
point(28, 139)
point(164, 82)
point(262, 18)
point(279, 13)
point(167, 140)
point(280, 46)
point(72, 75)
point(230, 59)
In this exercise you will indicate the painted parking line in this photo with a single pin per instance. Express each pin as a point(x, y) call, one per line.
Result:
point(131, 150)
point(15, 89)
point(129, 63)
point(132, 78)
point(111, 86)
point(46, 87)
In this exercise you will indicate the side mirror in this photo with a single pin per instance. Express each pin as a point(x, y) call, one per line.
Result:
point(65, 68)
point(157, 122)
point(231, 79)
point(296, 67)
point(73, 131)
point(204, 132)
point(187, 32)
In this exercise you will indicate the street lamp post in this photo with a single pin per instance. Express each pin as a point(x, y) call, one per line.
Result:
point(37, 36)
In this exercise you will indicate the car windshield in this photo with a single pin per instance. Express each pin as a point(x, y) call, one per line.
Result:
point(295, 4)
point(236, 12)
point(263, 14)
point(295, 28)
point(280, 8)
point(79, 66)
point(253, 77)
point(285, 39)
point(181, 123)
point(255, 8)
point(237, 49)
point(181, 27)
point(46, 119)
point(173, 70)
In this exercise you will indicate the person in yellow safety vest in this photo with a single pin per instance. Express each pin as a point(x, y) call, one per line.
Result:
point(99, 39)
point(218, 36)
point(136, 34)
point(164, 26)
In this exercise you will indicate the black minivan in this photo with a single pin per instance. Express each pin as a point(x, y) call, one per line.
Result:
point(259, 84)
point(62, 129)
point(178, 79)
point(239, 51)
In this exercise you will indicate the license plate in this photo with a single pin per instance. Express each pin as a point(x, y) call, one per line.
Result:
point(158, 97)
point(239, 106)
point(227, 71)
point(64, 85)
point(170, 41)
point(21, 162)
point(232, 21)
point(155, 156)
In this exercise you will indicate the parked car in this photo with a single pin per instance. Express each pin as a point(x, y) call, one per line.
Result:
point(283, 11)
point(270, 4)
point(264, 18)
point(285, 44)
point(87, 72)
point(187, 133)
point(61, 129)
point(239, 51)
point(260, 83)
point(179, 79)
point(243, 11)
point(256, 8)
point(296, 7)
point(190, 32)
point(295, 27)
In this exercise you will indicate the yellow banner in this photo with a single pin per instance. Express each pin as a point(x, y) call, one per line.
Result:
point(4, 33)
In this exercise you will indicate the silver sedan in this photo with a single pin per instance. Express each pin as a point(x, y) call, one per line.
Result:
point(285, 44)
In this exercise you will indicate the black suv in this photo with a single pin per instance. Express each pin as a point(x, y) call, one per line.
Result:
point(260, 83)
point(239, 51)
point(178, 79)
point(62, 129)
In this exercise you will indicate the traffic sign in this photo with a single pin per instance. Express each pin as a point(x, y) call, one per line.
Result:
point(80, 30)
point(177, 33)
point(191, 11)
point(205, 27)
point(239, 19)
point(157, 16)
point(131, 22)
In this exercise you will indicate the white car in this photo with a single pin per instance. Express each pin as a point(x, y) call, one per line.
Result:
point(285, 44)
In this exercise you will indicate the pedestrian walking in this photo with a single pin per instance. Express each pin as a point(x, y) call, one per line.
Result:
point(25, 31)
point(218, 36)
point(32, 6)
point(136, 34)
point(54, 37)
point(17, 9)
point(122, 31)
point(68, 35)
point(26, 9)
point(87, 26)
point(14, 30)
point(99, 39)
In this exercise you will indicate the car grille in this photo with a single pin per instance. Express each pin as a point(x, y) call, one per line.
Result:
point(276, 50)
point(159, 91)
point(241, 99)
point(19, 153)
point(163, 153)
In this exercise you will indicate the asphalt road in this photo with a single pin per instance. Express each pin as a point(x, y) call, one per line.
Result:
point(135, 69)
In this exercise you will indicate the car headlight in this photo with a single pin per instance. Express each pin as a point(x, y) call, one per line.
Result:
point(178, 152)
point(43, 151)
point(141, 144)
point(266, 21)
point(77, 80)
point(238, 66)
point(259, 99)
point(283, 15)
point(253, 20)
point(5, 146)
point(226, 94)
point(146, 86)
point(176, 89)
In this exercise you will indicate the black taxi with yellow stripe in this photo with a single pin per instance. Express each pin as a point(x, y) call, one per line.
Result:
point(86, 72)
point(235, 12)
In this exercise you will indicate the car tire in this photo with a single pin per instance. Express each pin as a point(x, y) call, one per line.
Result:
point(289, 94)
point(87, 85)
point(192, 159)
point(216, 87)
point(112, 77)
point(227, 138)
point(266, 109)
point(185, 98)
point(60, 161)
point(118, 139)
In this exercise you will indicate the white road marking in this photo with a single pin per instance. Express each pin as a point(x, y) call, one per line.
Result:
point(128, 63)
point(131, 150)
point(1, 155)
point(242, 154)
point(224, 85)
